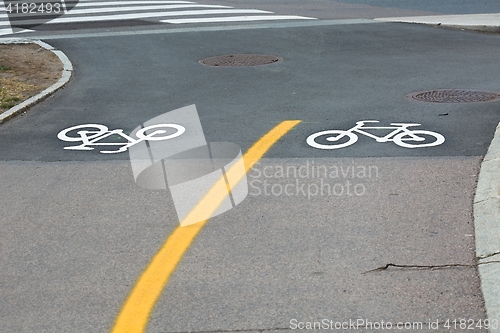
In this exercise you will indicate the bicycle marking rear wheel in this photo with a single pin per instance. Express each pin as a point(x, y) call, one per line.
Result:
point(96, 131)
point(311, 139)
point(402, 137)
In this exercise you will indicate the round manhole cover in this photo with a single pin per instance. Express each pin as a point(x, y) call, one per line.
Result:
point(454, 96)
point(240, 60)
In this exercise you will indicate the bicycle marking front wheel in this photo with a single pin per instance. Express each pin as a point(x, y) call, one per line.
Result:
point(311, 139)
point(402, 137)
point(141, 134)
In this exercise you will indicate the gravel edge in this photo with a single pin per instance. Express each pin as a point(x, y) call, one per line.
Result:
point(66, 75)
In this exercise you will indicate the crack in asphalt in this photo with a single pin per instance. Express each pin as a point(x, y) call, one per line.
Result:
point(430, 267)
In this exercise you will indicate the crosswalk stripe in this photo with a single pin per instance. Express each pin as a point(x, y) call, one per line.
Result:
point(237, 19)
point(65, 19)
point(119, 3)
point(128, 9)
point(137, 4)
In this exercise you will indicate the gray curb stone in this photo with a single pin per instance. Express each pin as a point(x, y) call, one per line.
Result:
point(488, 22)
point(487, 226)
point(479, 28)
point(66, 75)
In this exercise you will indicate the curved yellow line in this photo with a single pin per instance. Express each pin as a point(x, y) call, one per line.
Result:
point(134, 315)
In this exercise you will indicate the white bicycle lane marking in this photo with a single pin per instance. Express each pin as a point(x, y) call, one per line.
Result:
point(93, 134)
point(94, 137)
point(400, 135)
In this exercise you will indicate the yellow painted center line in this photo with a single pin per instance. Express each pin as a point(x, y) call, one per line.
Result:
point(134, 315)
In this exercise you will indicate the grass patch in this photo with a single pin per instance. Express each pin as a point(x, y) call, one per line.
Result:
point(25, 70)
point(7, 103)
point(12, 92)
point(7, 100)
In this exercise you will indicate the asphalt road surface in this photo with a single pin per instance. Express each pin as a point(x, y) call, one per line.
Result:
point(77, 232)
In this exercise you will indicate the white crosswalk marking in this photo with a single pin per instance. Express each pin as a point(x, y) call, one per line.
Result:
point(119, 3)
point(66, 19)
point(161, 12)
point(235, 19)
point(135, 8)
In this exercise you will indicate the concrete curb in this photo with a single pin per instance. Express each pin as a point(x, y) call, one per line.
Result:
point(66, 75)
point(487, 226)
point(474, 22)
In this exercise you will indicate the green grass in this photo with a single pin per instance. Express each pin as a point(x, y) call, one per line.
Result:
point(9, 102)
point(6, 101)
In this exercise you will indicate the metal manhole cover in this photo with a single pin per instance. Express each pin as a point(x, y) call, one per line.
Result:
point(239, 60)
point(454, 96)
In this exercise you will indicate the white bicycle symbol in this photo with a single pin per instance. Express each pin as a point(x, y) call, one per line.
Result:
point(400, 136)
point(98, 132)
